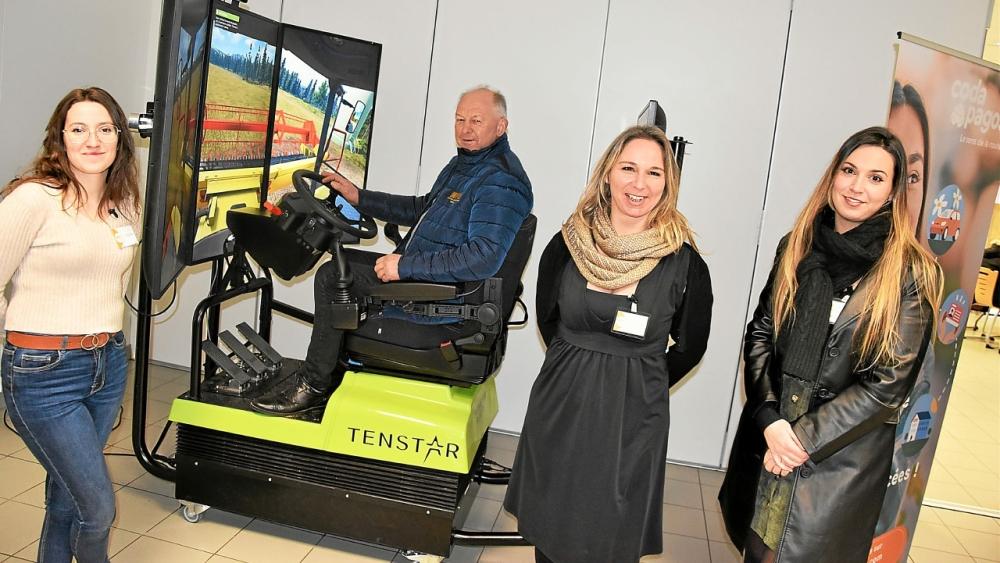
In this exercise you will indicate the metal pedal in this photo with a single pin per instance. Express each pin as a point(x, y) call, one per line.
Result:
point(238, 376)
point(257, 367)
point(270, 355)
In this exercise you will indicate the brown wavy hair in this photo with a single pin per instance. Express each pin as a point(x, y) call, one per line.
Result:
point(664, 217)
point(51, 167)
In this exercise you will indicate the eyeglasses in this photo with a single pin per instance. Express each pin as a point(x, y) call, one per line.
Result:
point(78, 134)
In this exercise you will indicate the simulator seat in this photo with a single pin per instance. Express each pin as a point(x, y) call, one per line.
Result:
point(396, 347)
point(291, 239)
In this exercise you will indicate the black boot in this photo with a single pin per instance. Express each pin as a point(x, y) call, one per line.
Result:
point(300, 396)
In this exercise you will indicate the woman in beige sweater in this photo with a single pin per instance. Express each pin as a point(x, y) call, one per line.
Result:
point(68, 233)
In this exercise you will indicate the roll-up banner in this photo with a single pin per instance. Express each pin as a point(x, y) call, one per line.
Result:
point(945, 107)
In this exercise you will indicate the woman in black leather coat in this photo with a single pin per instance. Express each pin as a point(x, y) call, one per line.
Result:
point(833, 348)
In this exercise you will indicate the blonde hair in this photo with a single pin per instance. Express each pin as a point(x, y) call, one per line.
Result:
point(901, 254)
point(672, 225)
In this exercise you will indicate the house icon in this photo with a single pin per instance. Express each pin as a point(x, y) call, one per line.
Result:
point(920, 427)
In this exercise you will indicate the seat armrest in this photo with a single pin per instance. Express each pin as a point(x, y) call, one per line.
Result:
point(413, 291)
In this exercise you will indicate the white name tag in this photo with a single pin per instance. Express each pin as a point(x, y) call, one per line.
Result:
point(125, 236)
point(630, 324)
point(836, 307)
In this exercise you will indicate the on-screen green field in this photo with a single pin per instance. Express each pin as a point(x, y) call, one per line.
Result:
point(227, 88)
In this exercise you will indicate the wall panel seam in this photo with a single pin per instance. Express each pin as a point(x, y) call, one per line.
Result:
point(597, 98)
point(760, 229)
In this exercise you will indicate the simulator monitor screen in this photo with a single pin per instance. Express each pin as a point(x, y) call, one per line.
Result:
point(234, 123)
point(326, 96)
point(174, 143)
point(323, 110)
point(242, 102)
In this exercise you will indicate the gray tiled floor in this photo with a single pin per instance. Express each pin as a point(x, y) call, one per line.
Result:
point(149, 527)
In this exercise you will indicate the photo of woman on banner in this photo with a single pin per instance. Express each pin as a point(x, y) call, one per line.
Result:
point(908, 121)
point(812, 454)
point(956, 102)
point(624, 305)
point(960, 99)
point(973, 165)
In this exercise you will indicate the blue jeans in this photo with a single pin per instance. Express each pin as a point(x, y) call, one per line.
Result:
point(63, 404)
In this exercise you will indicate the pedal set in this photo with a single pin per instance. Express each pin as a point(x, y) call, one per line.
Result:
point(249, 364)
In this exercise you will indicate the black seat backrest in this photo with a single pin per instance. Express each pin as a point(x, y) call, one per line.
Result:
point(392, 346)
point(513, 265)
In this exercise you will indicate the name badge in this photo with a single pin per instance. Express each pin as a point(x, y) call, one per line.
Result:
point(631, 323)
point(836, 307)
point(125, 236)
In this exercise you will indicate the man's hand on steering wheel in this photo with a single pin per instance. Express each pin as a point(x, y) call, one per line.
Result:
point(363, 227)
point(343, 186)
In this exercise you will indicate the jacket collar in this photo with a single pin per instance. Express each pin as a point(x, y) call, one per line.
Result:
point(474, 157)
point(853, 308)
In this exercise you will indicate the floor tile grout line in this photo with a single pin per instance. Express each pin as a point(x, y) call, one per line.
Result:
point(172, 542)
point(311, 549)
point(223, 546)
point(704, 517)
point(960, 544)
point(975, 531)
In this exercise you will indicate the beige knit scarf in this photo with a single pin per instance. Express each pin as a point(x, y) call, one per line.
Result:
point(609, 260)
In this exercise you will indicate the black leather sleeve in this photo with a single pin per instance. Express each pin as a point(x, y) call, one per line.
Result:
point(550, 267)
point(758, 351)
point(692, 322)
point(877, 393)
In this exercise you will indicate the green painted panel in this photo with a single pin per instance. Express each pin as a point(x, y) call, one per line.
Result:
point(417, 423)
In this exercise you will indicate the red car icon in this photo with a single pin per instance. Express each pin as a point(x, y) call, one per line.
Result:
point(946, 225)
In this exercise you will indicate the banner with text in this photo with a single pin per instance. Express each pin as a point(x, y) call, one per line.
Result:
point(945, 108)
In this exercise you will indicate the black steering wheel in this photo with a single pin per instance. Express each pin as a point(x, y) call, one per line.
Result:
point(365, 228)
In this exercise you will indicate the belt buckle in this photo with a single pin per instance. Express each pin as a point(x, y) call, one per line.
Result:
point(95, 339)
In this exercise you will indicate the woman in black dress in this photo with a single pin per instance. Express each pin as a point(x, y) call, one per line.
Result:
point(834, 347)
point(623, 304)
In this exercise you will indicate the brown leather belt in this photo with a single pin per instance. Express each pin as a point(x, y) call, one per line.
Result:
point(58, 341)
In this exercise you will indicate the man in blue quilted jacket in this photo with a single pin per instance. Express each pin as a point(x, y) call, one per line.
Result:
point(461, 231)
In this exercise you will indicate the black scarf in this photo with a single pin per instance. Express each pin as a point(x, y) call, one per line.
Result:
point(834, 262)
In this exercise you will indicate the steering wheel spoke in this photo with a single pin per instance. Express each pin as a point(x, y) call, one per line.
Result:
point(364, 228)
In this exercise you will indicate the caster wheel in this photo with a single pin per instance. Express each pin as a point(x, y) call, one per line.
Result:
point(419, 557)
point(192, 512)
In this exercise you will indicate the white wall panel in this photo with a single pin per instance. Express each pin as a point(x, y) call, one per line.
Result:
point(545, 57)
point(838, 80)
point(49, 47)
point(715, 68)
point(3, 23)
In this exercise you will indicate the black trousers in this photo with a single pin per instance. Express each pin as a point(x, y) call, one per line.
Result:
point(326, 342)
point(756, 550)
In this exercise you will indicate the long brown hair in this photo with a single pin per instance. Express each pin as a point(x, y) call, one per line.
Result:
point(596, 198)
point(901, 254)
point(51, 167)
